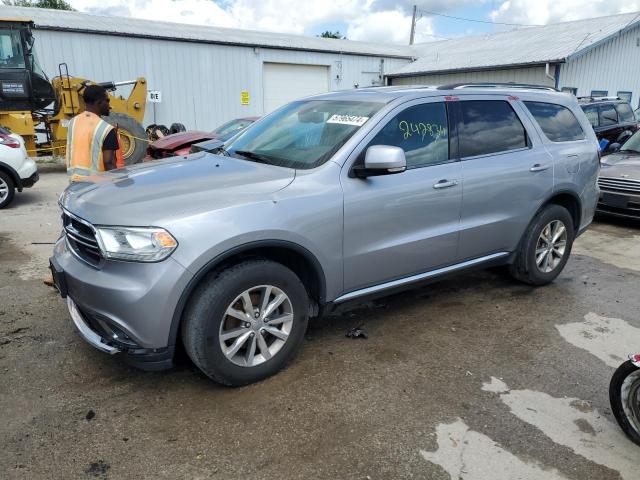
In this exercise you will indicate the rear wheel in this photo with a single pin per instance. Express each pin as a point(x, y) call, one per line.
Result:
point(246, 322)
point(624, 395)
point(133, 138)
point(7, 189)
point(545, 247)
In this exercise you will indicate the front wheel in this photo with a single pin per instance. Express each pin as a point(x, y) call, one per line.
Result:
point(624, 395)
point(245, 323)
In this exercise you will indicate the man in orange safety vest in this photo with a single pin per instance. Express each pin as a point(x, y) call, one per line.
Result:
point(92, 143)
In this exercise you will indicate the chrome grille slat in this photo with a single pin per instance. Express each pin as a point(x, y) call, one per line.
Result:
point(81, 239)
point(619, 184)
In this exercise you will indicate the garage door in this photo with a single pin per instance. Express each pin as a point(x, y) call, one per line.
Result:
point(285, 82)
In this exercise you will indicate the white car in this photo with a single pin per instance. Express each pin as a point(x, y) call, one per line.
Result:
point(17, 170)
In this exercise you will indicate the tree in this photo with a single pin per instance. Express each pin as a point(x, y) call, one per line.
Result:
point(328, 34)
point(53, 4)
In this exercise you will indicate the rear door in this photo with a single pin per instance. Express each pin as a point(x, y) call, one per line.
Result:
point(407, 223)
point(506, 174)
point(609, 126)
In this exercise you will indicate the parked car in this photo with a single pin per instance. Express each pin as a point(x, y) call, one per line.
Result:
point(611, 117)
point(17, 170)
point(619, 180)
point(334, 198)
point(180, 143)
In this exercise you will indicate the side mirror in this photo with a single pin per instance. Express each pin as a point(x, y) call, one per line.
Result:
point(612, 148)
point(381, 160)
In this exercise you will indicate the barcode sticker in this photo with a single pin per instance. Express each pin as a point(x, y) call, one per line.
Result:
point(356, 120)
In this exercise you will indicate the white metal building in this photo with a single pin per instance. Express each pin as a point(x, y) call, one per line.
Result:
point(599, 56)
point(206, 75)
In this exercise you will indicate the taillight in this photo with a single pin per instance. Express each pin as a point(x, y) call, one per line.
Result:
point(9, 141)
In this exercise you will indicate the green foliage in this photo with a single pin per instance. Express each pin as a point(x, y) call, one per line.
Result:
point(53, 4)
point(328, 34)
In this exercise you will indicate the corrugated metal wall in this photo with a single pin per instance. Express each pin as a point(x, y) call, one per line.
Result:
point(614, 66)
point(200, 83)
point(530, 75)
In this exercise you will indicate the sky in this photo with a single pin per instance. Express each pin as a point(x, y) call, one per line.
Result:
point(385, 21)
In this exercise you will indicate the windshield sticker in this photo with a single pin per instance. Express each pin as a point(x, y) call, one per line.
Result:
point(355, 120)
point(434, 130)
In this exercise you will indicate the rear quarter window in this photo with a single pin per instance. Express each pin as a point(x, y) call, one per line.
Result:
point(558, 123)
point(592, 115)
point(489, 126)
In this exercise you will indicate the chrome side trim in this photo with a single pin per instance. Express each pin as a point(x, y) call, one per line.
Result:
point(89, 335)
point(418, 277)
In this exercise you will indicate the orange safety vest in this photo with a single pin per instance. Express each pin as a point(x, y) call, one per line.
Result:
point(85, 136)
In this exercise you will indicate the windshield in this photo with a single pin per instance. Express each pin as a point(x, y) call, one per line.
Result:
point(303, 134)
point(232, 127)
point(11, 55)
point(633, 144)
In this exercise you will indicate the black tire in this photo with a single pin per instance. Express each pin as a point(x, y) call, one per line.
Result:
point(618, 400)
point(130, 131)
point(524, 268)
point(177, 128)
point(5, 179)
point(205, 313)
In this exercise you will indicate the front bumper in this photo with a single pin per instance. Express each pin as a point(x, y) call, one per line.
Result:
point(123, 308)
point(620, 204)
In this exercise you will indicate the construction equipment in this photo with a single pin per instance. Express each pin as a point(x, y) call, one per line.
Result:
point(36, 108)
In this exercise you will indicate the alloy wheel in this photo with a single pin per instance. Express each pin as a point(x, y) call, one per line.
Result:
point(551, 246)
point(256, 325)
point(4, 189)
point(630, 394)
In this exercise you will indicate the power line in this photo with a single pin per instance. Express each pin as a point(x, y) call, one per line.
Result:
point(478, 21)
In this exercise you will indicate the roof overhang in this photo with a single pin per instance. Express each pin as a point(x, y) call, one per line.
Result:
point(585, 50)
point(477, 69)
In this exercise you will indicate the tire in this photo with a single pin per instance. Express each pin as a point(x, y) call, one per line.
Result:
point(176, 128)
point(624, 383)
point(206, 321)
point(7, 189)
point(525, 267)
point(133, 138)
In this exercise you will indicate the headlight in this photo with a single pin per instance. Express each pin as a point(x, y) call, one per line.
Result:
point(136, 244)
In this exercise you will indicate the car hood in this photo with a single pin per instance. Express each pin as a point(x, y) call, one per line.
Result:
point(625, 166)
point(154, 193)
point(171, 142)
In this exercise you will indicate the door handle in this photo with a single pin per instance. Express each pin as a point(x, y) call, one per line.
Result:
point(573, 156)
point(445, 184)
point(539, 168)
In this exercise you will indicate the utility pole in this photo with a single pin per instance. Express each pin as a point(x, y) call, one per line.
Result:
point(413, 25)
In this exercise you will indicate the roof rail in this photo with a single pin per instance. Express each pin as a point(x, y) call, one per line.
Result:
point(454, 86)
point(590, 98)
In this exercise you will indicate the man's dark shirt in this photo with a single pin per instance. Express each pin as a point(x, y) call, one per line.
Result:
point(110, 141)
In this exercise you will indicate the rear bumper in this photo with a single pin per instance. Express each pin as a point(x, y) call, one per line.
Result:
point(31, 181)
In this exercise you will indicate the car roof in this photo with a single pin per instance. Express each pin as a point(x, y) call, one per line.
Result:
point(584, 101)
point(391, 93)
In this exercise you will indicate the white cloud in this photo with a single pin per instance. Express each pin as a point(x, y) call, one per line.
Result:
point(541, 12)
point(388, 27)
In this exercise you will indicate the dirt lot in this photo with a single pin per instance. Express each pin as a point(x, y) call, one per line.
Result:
point(473, 378)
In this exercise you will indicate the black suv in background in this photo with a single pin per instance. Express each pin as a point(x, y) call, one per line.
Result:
point(611, 117)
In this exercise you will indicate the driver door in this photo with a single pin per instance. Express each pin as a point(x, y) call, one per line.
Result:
point(403, 224)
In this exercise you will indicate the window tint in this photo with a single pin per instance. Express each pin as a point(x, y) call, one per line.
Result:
point(592, 115)
point(625, 113)
point(608, 115)
point(558, 123)
point(489, 126)
point(421, 131)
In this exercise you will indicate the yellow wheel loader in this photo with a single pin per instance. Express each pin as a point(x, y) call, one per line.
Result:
point(39, 109)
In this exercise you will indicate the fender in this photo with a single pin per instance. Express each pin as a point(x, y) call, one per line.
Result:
point(13, 174)
point(213, 263)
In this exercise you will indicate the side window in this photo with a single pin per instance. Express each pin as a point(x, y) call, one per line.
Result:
point(625, 113)
point(489, 126)
point(421, 131)
point(558, 123)
point(608, 115)
point(592, 115)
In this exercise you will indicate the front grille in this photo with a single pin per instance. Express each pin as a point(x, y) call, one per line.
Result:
point(619, 184)
point(82, 239)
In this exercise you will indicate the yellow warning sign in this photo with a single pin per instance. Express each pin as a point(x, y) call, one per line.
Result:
point(244, 97)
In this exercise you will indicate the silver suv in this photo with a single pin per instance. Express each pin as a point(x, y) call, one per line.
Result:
point(329, 199)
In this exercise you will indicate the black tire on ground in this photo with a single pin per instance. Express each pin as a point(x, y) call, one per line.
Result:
point(617, 400)
point(176, 128)
point(5, 179)
point(524, 267)
point(133, 138)
point(206, 311)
